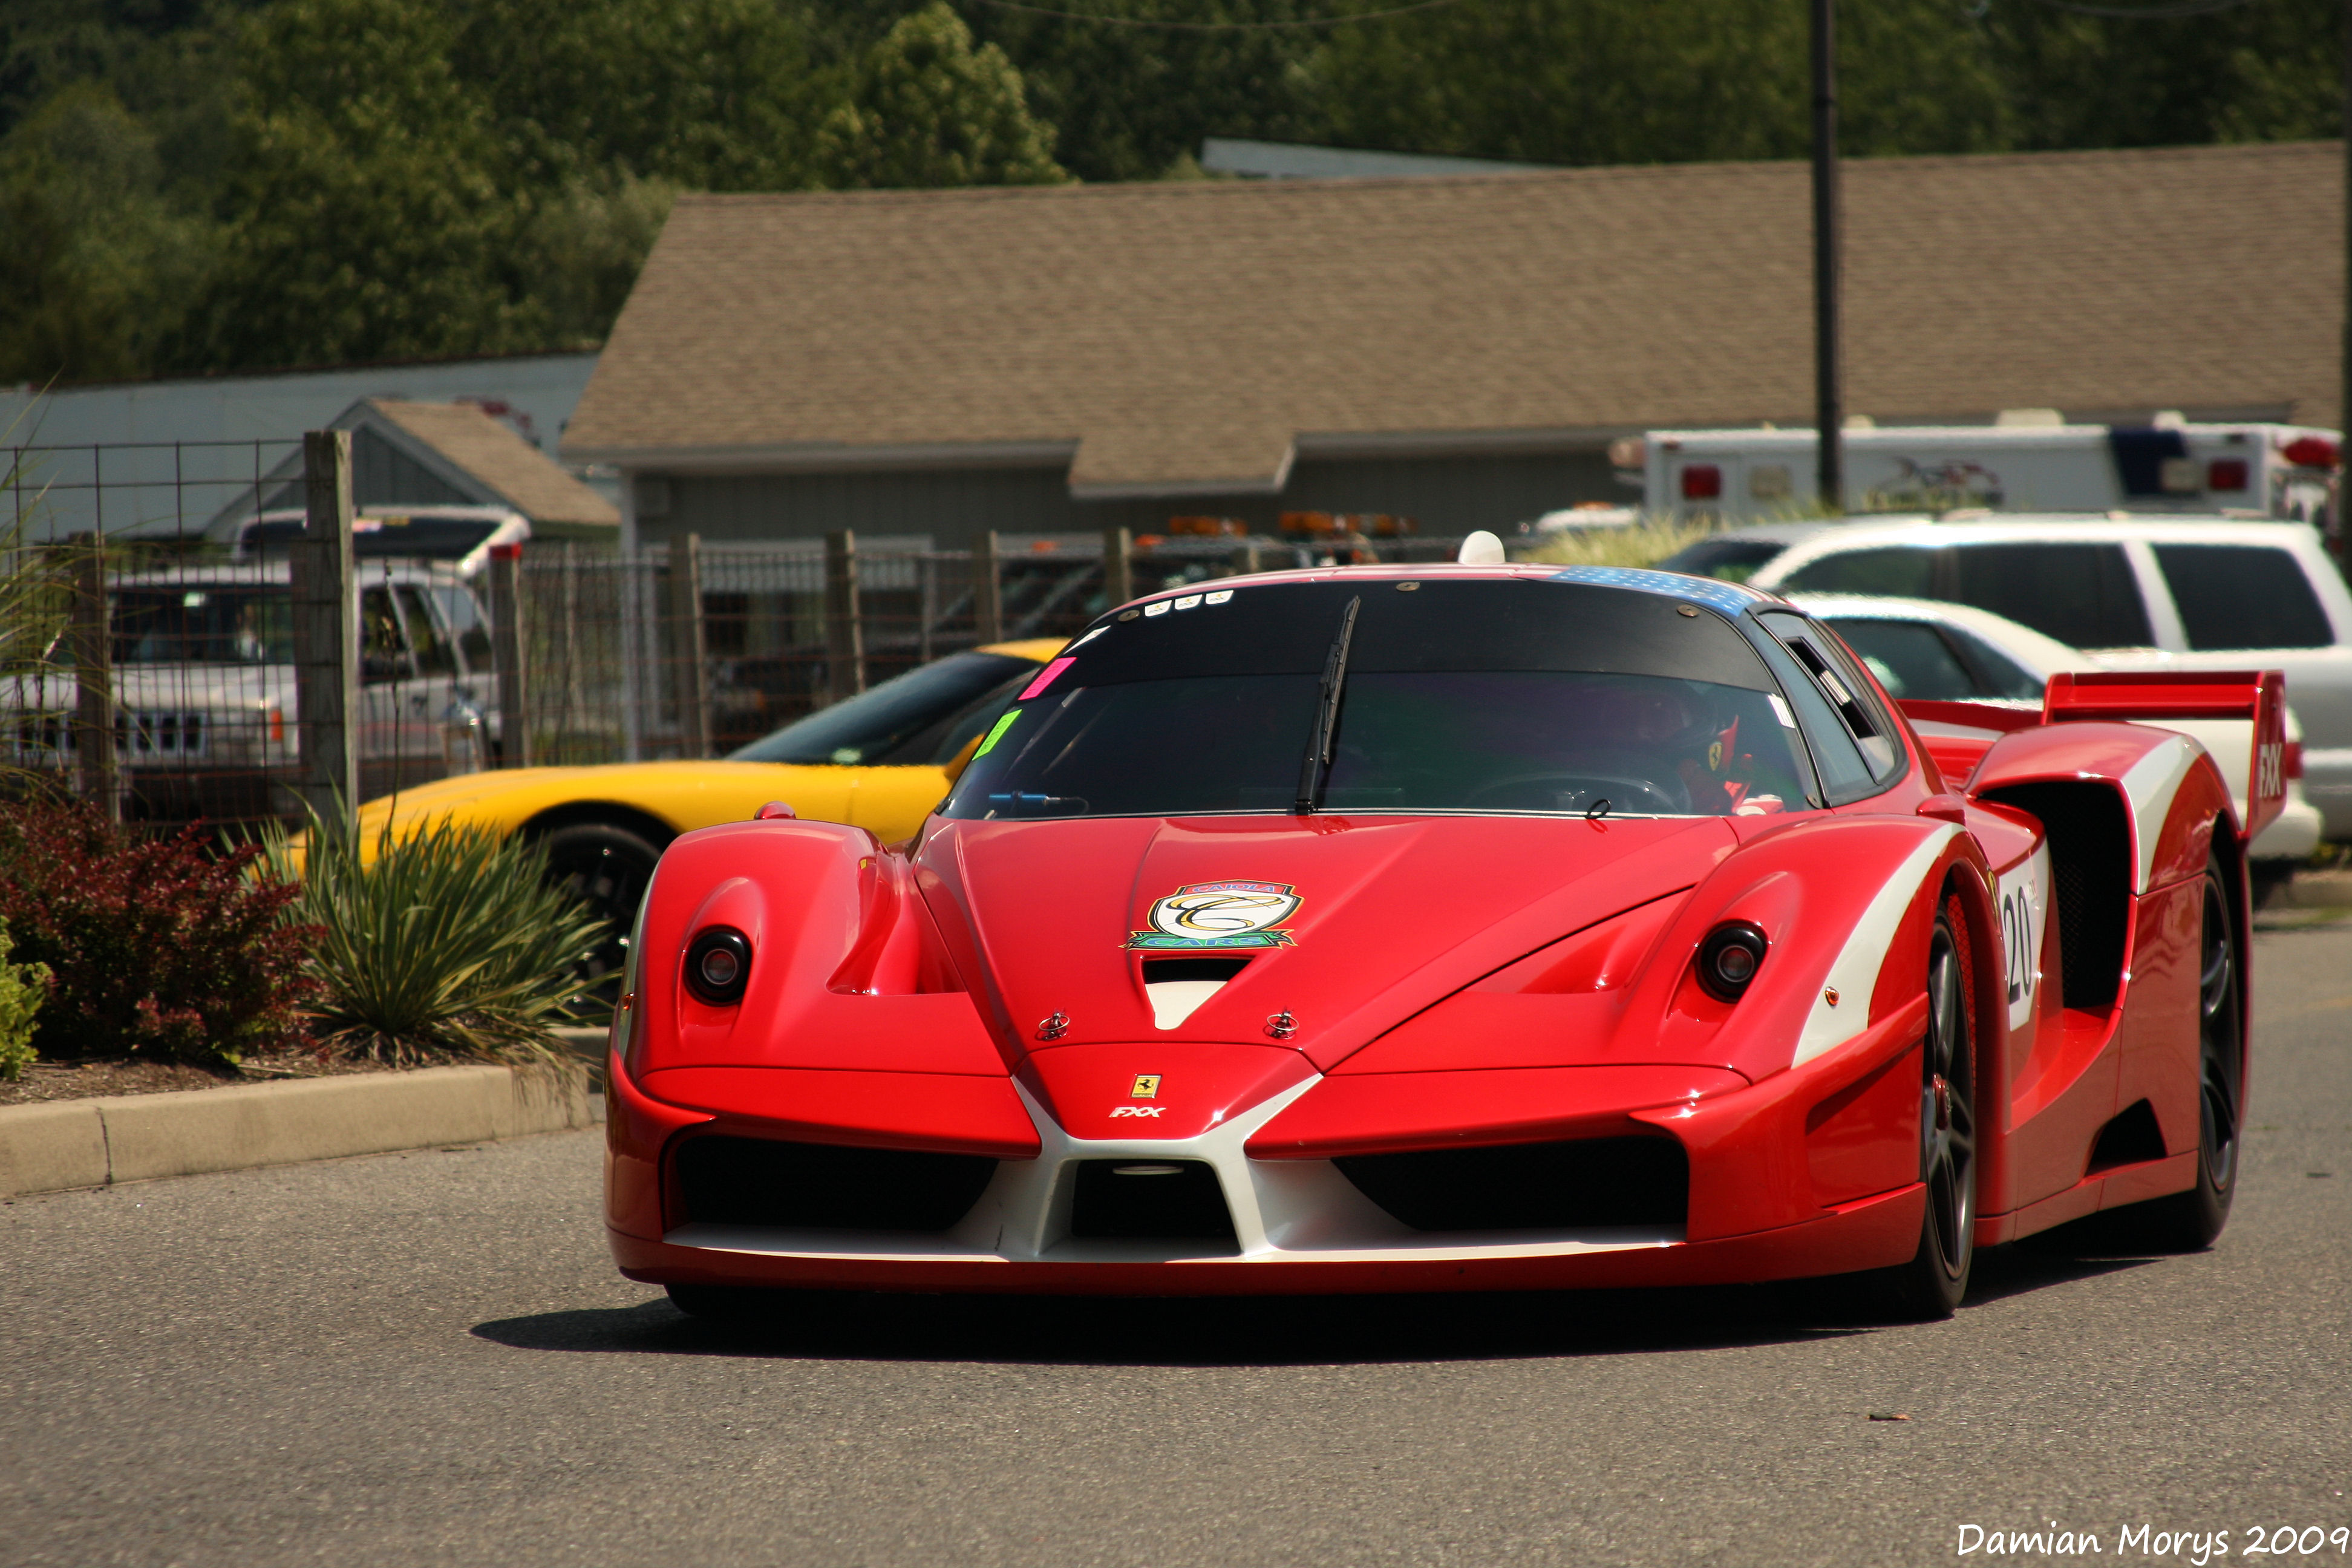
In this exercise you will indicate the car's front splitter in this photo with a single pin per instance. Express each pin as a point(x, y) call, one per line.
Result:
point(1298, 1226)
point(1864, 1235)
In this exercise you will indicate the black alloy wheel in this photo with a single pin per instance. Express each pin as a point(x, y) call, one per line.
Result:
point(2189, 1221)
point(1933, 1283)
point(607, 868)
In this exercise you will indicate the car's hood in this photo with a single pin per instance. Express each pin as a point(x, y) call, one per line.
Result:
point(1392, 914)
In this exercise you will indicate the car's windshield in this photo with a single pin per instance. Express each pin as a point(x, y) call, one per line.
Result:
point(201, 623)
point(1479, 695)
point(925, 715)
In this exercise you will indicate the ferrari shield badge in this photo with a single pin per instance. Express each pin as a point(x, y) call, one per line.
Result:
point(1220, 915)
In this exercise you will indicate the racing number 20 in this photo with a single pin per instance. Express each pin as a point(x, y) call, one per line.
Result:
point(2017, 943)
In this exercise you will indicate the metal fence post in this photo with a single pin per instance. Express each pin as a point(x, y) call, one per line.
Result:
point(1245, 560)
point(693, 644)
point(987, 590)
point(1118, 568)
point(327, 632)
point(844, 635)
point(507, 646)
point(93, 654)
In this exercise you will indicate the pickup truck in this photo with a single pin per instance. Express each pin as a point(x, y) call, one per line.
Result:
point(205, 720)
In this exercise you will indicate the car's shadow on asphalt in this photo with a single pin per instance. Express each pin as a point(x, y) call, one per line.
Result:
point(1267, 1331)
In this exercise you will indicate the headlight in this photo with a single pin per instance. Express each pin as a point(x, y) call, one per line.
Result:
point(718, 965)
point(1729, 959)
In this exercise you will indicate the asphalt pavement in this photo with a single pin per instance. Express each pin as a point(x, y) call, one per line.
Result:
point(427, 1359)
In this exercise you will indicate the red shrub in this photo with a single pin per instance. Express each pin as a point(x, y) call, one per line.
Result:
point(160, 946)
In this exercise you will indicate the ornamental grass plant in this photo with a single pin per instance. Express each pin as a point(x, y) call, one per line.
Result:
point(447, 943)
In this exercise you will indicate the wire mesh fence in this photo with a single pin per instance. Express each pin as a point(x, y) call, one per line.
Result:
point(152, 640)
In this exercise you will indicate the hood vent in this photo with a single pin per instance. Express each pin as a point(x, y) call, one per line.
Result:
point(1177, 986)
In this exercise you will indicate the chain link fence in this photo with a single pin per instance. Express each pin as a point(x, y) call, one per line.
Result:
point(161, 658)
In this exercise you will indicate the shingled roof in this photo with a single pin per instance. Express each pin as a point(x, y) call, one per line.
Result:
point(1194, 336)
point(497, 460)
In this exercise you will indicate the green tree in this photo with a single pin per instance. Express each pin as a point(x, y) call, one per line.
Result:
point(1644, 81)
point(713, 95)
point(2266, 72)
point(1128, 103)
point(587, 245)
point(98, 266)
point(367, 217)
point(928, 109)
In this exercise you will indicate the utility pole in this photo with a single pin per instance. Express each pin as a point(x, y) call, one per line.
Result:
point(2337, 524)
point(1829, 399)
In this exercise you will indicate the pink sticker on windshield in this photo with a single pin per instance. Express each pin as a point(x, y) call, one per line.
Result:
point(1045, 678)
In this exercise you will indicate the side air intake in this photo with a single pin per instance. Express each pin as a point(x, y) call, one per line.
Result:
point(817, 1186)
point(1583, 1185)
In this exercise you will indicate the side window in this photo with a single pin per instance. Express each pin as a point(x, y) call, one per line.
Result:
point(1903, 572)
point(2243, 596)
point(1845, 773)
point(383, 653)
point(434, 654)
point(2082, 595)
point(1909, 657)
point(467, 625)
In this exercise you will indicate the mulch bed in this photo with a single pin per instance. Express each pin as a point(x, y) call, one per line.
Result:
point(83, 1079)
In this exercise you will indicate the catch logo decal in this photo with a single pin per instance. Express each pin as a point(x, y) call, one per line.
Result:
point(1147, 1085)
point(1220, 915)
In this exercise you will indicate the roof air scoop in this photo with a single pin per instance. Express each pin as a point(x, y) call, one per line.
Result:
point(1178, 987)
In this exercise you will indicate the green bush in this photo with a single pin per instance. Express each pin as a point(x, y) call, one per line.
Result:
point(1643, 543)
point(157, 946)
point(447, 943)
point(23, 988)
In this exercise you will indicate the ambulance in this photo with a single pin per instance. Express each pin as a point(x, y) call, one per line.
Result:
point(2026, 461)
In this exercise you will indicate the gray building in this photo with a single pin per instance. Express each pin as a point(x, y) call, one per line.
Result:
point(1458, 350)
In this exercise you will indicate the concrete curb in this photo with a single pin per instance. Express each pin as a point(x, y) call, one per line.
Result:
point(58, 1144)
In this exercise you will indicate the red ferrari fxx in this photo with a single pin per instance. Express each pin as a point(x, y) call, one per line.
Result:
point(1455, 927)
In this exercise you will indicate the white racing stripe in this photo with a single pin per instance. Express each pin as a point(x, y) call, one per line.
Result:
point(2150, 784)
point(1854, 977)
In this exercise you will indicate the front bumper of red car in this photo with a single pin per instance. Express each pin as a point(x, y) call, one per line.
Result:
point(1808, 1173)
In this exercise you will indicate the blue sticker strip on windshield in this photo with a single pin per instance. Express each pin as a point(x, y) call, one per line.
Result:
point(996, 734)
point(1728, 597)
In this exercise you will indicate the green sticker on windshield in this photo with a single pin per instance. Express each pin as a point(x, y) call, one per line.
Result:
point(996, 734)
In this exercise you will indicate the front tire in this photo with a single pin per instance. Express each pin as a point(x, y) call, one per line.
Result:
point(718, 1303)
point(1931, 1285)
point(607, 868)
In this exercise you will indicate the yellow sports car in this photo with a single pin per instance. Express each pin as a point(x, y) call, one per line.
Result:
point(878, 760)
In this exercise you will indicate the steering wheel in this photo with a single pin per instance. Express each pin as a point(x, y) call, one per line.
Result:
point(1624, 791)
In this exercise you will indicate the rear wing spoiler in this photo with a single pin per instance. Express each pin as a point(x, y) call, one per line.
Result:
point(2239, 716)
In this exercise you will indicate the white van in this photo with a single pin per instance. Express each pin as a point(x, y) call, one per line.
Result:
point(2262, 471)
point(2133, 593)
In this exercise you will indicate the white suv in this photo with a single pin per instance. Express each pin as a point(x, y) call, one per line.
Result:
point(2133, 593)
point(204, 687)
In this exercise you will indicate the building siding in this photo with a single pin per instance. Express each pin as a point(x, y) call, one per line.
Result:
point(1444, 496)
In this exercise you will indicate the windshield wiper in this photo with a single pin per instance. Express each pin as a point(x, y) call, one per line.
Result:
point(1317, 764)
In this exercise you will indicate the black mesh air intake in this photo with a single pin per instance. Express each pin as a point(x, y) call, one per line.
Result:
point(1152, 1200)
point(817, 1186)
point(1578, 1185)
point(2091, 861)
